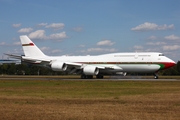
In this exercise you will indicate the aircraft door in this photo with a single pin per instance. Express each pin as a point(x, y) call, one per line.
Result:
point(149, 61)
point(136, 56)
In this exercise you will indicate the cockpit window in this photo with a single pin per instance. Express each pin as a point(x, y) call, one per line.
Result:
point(161, 54)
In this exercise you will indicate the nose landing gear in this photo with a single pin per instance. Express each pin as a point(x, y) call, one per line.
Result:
point(156, 76)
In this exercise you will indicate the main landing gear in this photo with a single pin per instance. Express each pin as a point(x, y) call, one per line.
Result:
point(99, 76)
point(91, 76)
point(86, 76)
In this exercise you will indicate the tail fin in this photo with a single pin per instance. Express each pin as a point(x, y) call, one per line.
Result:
point(29, 48)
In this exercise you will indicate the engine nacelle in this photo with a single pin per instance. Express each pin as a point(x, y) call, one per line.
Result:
point(90, 70)
point(58, 66)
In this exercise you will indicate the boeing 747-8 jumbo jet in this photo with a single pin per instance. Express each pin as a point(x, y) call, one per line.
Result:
point(99, 65)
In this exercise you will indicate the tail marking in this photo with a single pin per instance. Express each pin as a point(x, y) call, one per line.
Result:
point(30, 44)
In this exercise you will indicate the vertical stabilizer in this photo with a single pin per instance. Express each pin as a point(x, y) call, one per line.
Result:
point(29, 48)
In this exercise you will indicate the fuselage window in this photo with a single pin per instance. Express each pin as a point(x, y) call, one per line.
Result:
point(161, 54)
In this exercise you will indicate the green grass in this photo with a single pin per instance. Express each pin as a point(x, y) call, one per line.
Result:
point(89, 99)
point(84, 89)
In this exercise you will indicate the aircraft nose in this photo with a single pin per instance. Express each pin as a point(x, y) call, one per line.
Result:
point(173, 63)
point(170, 64)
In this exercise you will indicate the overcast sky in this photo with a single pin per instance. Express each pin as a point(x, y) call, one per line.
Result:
point(91, 27)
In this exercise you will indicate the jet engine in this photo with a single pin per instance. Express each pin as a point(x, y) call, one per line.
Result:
point(90, 70)
point(59, 66)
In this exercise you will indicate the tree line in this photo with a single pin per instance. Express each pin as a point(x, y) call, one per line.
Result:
point(26, 69)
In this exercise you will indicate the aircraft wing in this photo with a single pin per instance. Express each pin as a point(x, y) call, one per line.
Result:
point(72, 66)
point(82, 65)
point(77, 67)
point(109, 67)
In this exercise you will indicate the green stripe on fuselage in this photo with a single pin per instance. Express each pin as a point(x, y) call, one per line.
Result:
point(161, 66)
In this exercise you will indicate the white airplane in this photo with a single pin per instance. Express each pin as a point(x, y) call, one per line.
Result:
point(99, 65)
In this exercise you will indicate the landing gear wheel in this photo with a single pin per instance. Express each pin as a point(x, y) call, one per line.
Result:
point(156, 76)
point(89, 76)
point(99, 76)
point(86, 76)
point(83, 76)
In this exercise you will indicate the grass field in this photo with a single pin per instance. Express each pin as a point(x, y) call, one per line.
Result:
point(82, 99)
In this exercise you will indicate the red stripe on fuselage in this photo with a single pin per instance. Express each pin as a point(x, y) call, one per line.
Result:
point(168, 64)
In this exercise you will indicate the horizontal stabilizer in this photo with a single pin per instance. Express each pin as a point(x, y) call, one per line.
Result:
point(14, 56)
point(34, 60)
